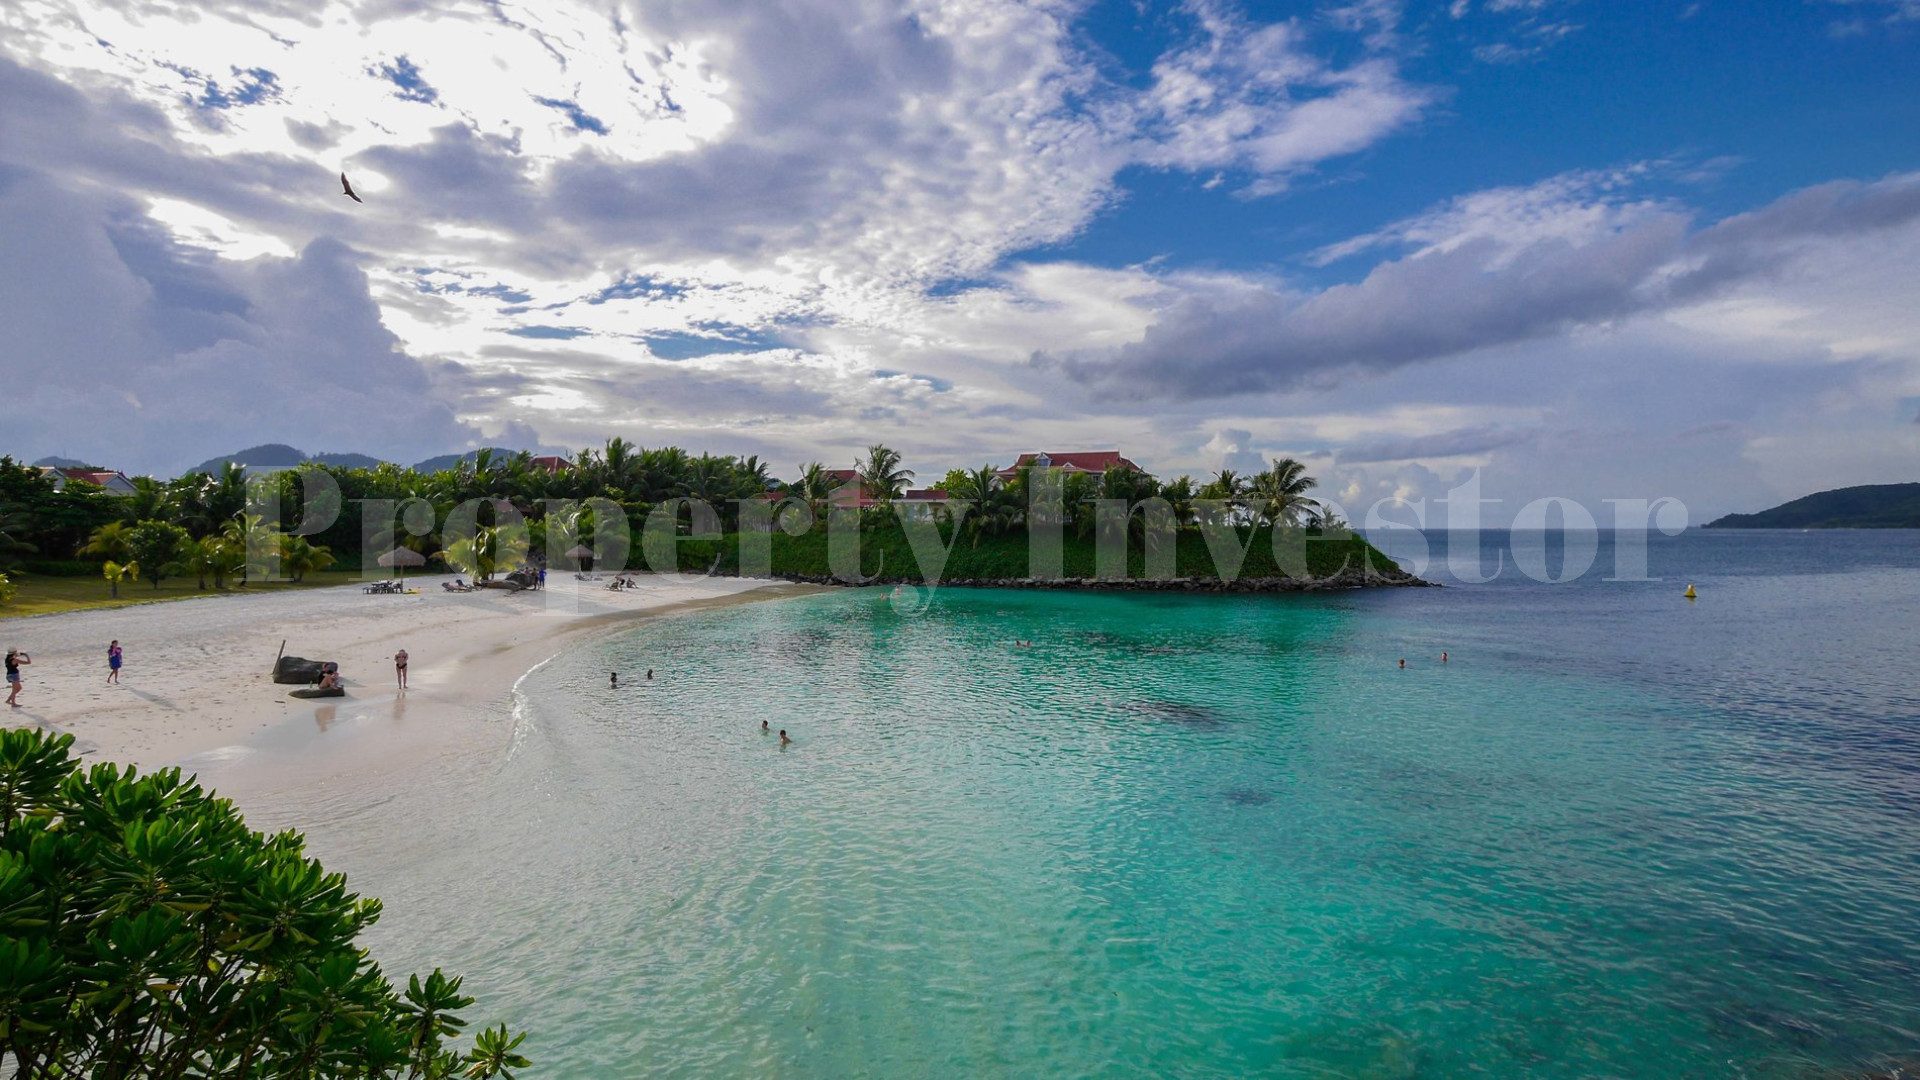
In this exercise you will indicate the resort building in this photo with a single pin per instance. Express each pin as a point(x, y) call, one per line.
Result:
point(1091, 461)
point(113, 480)
point(922, 502)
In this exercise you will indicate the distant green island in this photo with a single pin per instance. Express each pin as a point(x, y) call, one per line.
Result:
point(1872, 506)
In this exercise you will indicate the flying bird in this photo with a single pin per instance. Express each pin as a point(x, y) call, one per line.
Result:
point(347, 189)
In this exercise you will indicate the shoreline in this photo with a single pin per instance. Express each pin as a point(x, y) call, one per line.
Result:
point(1345, 580)
point(197, 689)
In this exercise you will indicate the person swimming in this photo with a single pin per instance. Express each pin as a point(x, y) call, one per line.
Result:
point(1443, 656)
point(764, 729)
point(1403, 663)
point(784, 741)
point(649, 674)
point(613, 680)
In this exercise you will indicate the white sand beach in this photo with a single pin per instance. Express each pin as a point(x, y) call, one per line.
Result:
point(197, 690)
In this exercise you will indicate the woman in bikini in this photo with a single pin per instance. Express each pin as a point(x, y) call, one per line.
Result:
point(400, 667)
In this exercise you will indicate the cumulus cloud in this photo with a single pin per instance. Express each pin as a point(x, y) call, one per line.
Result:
point(647, 178)
point(142, 349)
point(1254, 97)
point(1487, 271)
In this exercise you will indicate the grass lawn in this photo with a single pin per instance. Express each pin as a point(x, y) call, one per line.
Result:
point(40, 594)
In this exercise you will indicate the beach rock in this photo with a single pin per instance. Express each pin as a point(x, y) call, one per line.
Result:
point(294, 670)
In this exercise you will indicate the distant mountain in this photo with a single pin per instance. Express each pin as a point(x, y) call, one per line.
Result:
point(448, 461)
point(264, 454)
point(64, 463)
point(1874, 506)
point(346, 461)
point(280, 454)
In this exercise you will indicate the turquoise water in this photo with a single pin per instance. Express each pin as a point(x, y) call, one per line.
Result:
point(1617, 835)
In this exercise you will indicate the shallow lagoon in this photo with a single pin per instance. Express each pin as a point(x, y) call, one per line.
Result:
point(1617, 835)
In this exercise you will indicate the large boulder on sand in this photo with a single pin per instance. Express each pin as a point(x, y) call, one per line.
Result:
point(299, 670)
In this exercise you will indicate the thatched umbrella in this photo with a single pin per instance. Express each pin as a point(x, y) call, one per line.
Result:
point(583, 555)
point(402, 558)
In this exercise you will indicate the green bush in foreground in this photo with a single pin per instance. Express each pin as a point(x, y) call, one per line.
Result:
point(146, 932)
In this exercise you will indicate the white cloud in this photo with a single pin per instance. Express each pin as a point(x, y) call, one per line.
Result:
point(792, 228)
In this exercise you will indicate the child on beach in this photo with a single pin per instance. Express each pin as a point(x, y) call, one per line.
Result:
point(15, 661)
point(400, 667)
point(113, 662)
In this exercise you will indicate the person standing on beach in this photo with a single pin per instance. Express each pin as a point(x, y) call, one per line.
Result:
point(15, 660)
point(113, 662)
point(400, 668)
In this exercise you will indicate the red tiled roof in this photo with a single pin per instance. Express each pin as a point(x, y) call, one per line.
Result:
point(91, 476)
point(553, 463)
point(1087, 461)
point(925, 495)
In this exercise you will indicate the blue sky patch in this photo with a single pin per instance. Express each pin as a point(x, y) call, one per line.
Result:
point(555, 333)
point(406, 78)
point(685, 346)
point(578, 117)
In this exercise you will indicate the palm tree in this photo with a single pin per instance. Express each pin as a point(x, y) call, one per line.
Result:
point(662, 474)
point(228, 495)
point(145, 502)
point(616, 467)
point(1280, 493)
point(1227, 485)
point(754, 476)
point(813, 488)
point(300, 557)
point(186, 503)
point(881, 476)
point(485, 552)
point(109, 541)
point(198, 559)
point(1230, 488)
point(1180, 495)
point(994, 507)
point(709, 479)
point(1078, 490)
point(246, 535)
point(115, 573)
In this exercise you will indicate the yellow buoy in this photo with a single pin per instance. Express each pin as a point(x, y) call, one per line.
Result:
point(1691, 595)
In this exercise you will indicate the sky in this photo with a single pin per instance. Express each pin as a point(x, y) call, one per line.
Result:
point(1588, 249)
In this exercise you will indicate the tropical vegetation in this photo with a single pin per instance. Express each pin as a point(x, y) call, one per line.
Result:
point(493, 512)
point(146, 932)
